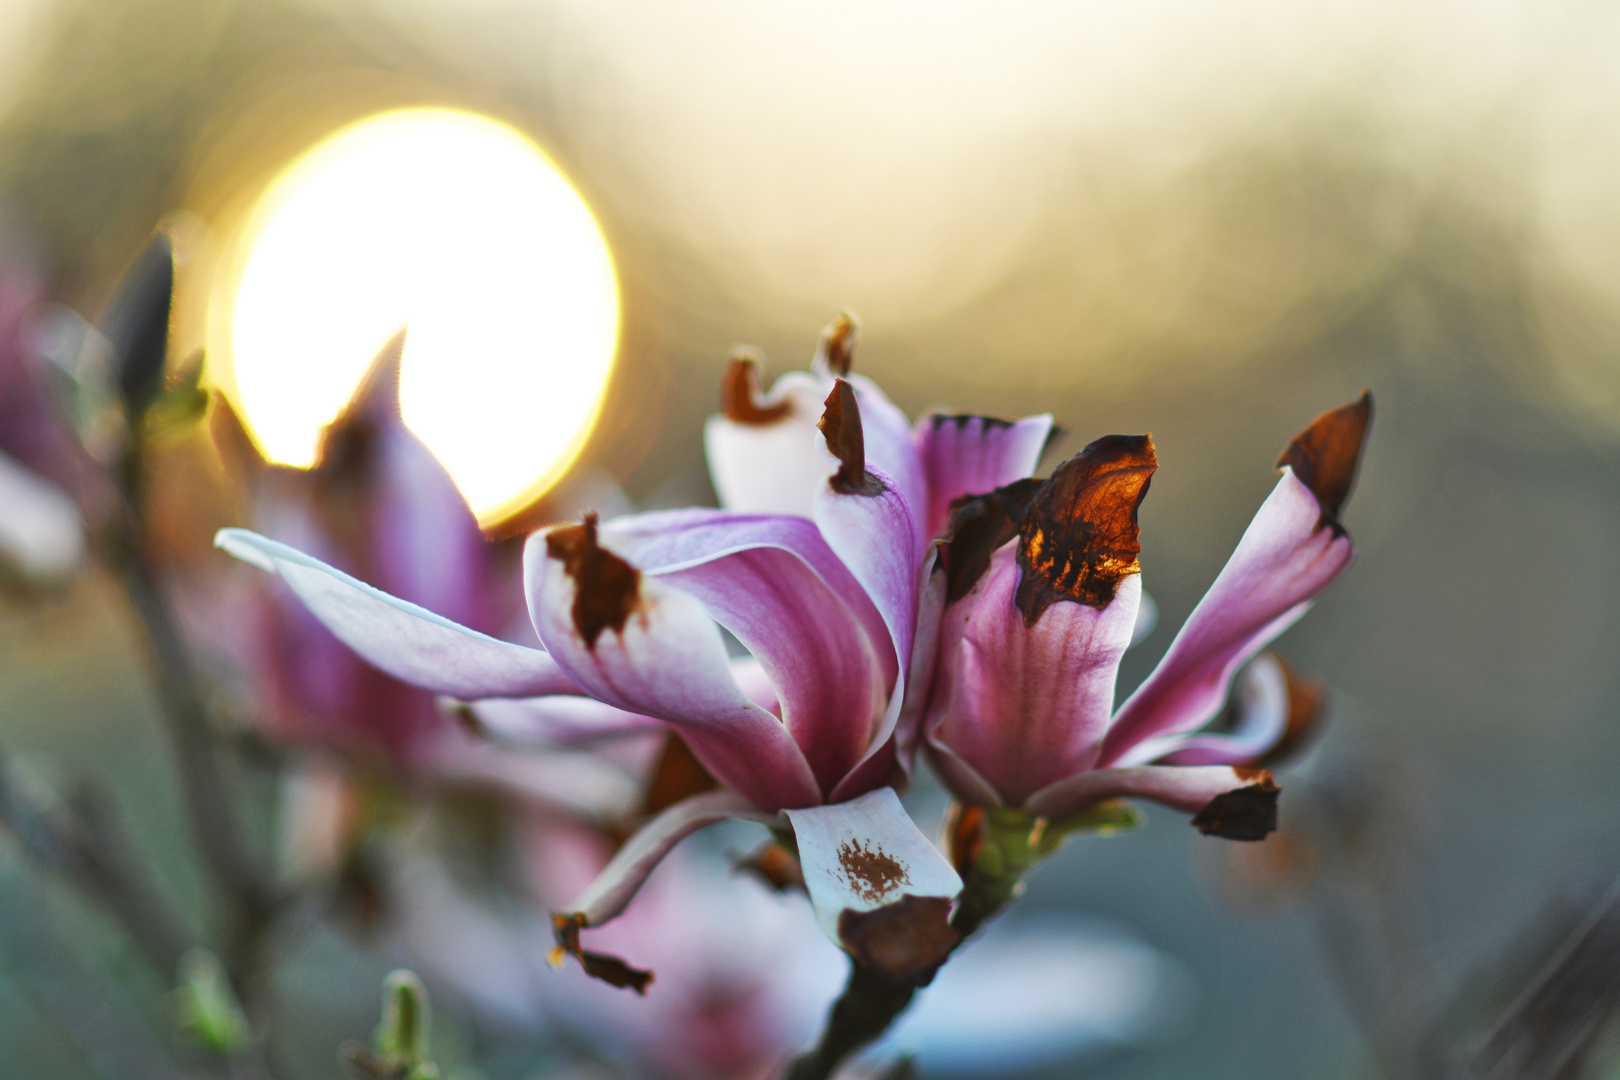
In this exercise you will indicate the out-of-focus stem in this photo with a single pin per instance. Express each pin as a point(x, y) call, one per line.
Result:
point(81, 842)
point(869, 1004)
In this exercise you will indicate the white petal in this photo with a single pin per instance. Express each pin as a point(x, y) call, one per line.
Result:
point(866, 854)
point(40, 533)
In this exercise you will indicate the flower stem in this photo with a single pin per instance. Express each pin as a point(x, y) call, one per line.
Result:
point(869, 1004)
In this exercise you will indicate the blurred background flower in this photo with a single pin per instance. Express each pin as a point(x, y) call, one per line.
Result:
point(1202, 221)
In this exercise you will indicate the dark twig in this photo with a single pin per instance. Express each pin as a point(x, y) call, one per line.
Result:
point(869, 1004)
point(80, 841)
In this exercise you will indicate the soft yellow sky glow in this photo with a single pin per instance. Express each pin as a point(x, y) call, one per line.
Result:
point(461, 229)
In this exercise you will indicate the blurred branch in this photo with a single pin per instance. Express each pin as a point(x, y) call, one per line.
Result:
point(82, 842)
point(869, 1004)
point(115, 1042)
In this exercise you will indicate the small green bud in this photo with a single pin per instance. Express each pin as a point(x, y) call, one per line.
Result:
point(208, 1009)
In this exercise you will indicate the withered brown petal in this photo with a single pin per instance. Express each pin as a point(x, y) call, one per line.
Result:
point(1079, 539)
point(979, 525)
point(838, 343)
point(676, 775)
point(907, 940)
point(740, 397)
point(840, 426)
point(609, 969)
point(1326, 454)
point(774, 865)
point(607, 590)
point(964, 830)
point(1249, 813)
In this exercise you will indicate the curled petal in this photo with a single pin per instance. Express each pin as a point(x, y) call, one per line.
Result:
point(1187, 788)
point(625, 873)
point(640, 645)
point(581, 782)
point(1291, 551)
point(972, 455)
point(775, 584)
point(1260, 696)
point(880, 888)
point(1026, 706)
point(406, 641)
point(1285, 558)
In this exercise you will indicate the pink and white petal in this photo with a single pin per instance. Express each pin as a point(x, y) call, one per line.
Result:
point(404, 640)
point(864, 855)
point(972, 455)
point(665, 542)
point(1189, 788)
point(770, 468)
point(891, 450)
point(616, 885)
point(766, 579)
point(1287, 556)
point(665, 658)
point(1260, 693)
point(556, 721)
point(41, 538)
point(1027, 706)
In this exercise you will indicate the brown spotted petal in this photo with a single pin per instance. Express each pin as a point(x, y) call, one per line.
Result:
point(767, 459)
point(1287, 556)
point(1235, 803)
point(880, 888)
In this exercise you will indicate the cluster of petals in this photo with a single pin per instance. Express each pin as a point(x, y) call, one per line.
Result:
point(840, 562)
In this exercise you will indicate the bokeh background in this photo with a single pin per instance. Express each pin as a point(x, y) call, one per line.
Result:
point(1207, 221)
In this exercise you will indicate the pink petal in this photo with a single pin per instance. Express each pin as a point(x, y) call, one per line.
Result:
point(1187, 788)
point(616, 885)
point(1027, 706)
point(775, 584)
point(1287, 556)
point(973, 455)
point(646, 647)
point(555, 721)
point(404, 640)
point(1260, 693)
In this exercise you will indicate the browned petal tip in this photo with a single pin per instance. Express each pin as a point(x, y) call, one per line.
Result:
point(840, 426)
point(979, 525)
point(740, 397)
point(1079, 539)
point(677, 775)
point(607, 590)
point(1248, 813)
point(907, 940)
point(837, 348)
point(1325, 455)
point(565, 927)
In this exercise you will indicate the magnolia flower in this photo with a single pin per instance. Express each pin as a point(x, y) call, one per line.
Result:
point(1041, 585)
point(377, 502)
point(806, 733)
